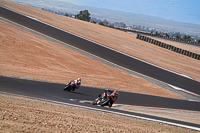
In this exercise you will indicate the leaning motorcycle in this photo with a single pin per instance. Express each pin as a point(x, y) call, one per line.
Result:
point(105, 100)
point(98, 99)
point(70, 86)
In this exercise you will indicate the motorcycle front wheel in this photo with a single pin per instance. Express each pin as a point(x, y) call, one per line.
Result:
point(105, 102)
point(68, 88)
point(95, 101)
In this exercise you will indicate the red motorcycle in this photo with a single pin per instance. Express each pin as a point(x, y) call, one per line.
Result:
point(106, 99)
point(70, 86)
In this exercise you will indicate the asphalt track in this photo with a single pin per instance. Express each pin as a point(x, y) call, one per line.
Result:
point(104, 52)
point(54, 92)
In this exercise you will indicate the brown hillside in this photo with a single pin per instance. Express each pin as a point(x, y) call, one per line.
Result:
point(24, 54)
point(118, 40)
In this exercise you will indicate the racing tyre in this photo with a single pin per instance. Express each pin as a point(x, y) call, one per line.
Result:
point(105, 102)
point(95, 101)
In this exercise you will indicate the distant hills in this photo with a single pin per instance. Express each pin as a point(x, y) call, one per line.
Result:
point(129, 19)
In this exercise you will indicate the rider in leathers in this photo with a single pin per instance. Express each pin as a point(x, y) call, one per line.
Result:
point(76, 83)
point(115, 97)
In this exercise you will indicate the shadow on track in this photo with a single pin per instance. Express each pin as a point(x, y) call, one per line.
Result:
point(79, 93)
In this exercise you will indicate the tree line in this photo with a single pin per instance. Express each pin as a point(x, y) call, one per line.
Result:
point(85, 16)
point(177, 36)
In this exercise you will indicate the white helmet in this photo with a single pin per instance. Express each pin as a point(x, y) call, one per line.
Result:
point(79, 79)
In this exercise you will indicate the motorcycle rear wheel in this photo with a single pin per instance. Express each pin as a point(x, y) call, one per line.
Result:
point(105, 102)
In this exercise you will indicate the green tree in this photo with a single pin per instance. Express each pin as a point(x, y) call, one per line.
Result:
point(199, 41)
point(187, 38)
point(111, 26)
point(177, 37)
point(167, 35)
point(67, 15)
point(93, 22)
point(101, 23)
point(105, 22)
point(156, 33)
point(83, 15)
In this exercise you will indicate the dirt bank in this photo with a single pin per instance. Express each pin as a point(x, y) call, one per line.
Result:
point(118, 40)
point(19, 115)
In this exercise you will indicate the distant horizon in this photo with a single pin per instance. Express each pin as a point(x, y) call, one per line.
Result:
point(184, 11)
point(177, 10)
point(112, 15)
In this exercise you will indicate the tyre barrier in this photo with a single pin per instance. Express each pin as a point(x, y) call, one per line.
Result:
point(169, 47)
point(151, 34)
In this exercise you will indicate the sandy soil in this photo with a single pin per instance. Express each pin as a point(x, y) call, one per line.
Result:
point(30, 116)
point(118, 40)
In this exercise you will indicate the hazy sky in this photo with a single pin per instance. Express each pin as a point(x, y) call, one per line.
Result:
point(178, 10)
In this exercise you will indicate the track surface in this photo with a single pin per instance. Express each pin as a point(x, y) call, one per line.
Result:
point(103, 52)
point(54, 91)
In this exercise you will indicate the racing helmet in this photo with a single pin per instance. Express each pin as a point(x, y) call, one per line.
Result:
point(79, 79)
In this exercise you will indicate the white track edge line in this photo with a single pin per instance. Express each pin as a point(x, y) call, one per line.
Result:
point(185, 91)
point(90, 108)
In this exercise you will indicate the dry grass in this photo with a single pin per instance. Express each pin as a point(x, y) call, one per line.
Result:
point(176, 114)
point(19, 115)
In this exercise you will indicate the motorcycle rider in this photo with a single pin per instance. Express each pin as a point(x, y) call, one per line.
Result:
point(116, 92)
point(76, 83)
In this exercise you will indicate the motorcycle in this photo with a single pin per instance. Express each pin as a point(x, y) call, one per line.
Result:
point(106, 99)
point(70, 86)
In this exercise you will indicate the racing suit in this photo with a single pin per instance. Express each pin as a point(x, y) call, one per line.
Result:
point(75, 83)
point(111, 101)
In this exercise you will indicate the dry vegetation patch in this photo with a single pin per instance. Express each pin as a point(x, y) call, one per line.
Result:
point(176, 114)
point(19, 115)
